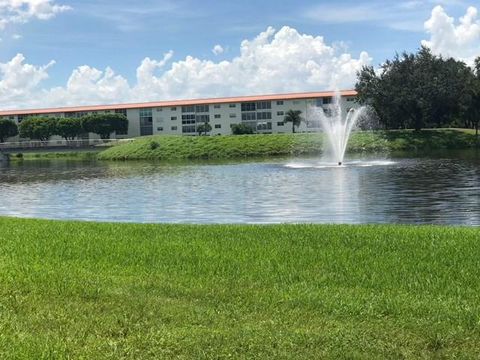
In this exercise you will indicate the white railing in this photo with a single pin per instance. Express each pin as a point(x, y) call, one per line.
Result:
point(59, 143)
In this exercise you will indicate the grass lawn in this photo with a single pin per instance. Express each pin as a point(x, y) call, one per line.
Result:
point(94, 291)
point(49, 155)
point(217, 147)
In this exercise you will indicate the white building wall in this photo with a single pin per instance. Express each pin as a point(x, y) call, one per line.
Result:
point(168, 120)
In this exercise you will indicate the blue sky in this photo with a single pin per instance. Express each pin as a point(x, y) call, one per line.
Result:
point(120, 34)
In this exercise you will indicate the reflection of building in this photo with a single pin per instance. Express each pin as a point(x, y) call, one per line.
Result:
point(264, 113)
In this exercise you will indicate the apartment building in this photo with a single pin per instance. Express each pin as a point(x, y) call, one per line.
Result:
point(263, 113)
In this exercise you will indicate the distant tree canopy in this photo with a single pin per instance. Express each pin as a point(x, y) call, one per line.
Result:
point(419, 90)
point(241, 129)
point(8, 128)
point(42, 128)
point(204, 128)
point(37, 128)
point(293, 116)
point(68, 128)
point(105, 124)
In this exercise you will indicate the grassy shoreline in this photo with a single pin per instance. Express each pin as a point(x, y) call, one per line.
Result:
point(226, 147)
point(91, 290)
point(236, 147)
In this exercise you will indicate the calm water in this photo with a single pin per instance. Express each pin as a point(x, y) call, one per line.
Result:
point(434, 190)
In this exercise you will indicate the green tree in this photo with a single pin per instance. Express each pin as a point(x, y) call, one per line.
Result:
point(8, 128)
point(241, 129)
point(105, 124)
point(68, 128)
point(414, 90)
point(471, 99)
point(37, 128)
point(293, 116)
point(204, 128)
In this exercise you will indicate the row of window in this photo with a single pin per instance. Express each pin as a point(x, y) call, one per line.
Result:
point(248, 116)
point(195, 109)
point(188, 128)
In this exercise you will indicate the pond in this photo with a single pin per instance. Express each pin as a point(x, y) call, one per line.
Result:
point(438, 189)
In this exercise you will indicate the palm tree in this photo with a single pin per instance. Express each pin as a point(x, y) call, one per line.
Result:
point(294, 117)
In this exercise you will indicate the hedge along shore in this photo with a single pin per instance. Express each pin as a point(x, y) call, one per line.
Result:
point(218, 147)
point(103, 290)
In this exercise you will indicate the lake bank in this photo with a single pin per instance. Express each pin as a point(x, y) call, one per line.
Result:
point(224, 147)
point(250, 146)
point(89, 290)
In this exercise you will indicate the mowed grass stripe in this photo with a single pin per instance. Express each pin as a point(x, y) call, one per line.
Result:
point(90, 290)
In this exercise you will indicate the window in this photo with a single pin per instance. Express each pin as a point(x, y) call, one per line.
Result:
point(145, 112)
point(146, 121)
point(216, 106)
point(233, 116)
point(173, 108)
point(280, 102)
point(280, 123)
point(159, 109)
point(327, 100)
point(249, 116)
point(280, 113)
point(264, 115)
point(188, 119)
point(160, 129)
point(121, 111)
point(296, 102)
point(202, 108)
point(264, 126)
point(174, 128)
point(264, 105)
point(173, 118)
point(188, 109)
point(350, 99)
point(249, 107)
point(218, 126)
point(189, 129)
point(203, 118)
point(218, 116)
point(232, 105)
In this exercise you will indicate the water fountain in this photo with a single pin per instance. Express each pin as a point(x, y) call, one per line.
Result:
point(337, 126)
point(337, 122)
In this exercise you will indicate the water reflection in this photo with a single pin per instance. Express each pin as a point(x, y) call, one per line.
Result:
point(434, 190)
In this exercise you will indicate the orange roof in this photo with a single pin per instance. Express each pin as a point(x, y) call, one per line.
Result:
point(291, 96)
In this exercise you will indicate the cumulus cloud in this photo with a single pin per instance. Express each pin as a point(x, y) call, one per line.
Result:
point(450, 38)
point(19, 80)
point(273, 62)
point(217, 50)
point(21, 11)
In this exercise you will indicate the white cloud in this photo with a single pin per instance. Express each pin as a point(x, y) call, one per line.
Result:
point(87, 85)
point(18, 80)
point(21, 11)
point(273, 62)
point(218, 49)
point(404, 15)
point(449, 38)
point(16, 36)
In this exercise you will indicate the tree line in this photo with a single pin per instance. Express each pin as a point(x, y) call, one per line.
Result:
point(43, 128)
point(421, 90)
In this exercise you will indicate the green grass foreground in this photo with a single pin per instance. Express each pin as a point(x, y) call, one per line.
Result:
point(218, 147)
point(98, 291)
